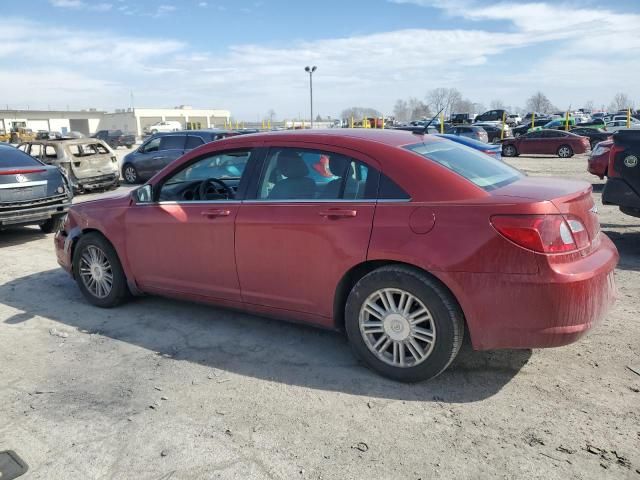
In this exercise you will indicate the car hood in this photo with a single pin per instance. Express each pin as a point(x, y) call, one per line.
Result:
point(117, 199)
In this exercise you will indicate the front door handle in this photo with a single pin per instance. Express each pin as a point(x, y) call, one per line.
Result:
point(337, 213)
point(216, 213)
point(158, 158)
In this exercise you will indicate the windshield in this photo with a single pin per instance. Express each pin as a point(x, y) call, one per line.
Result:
point(11, 157)
point(480, 169)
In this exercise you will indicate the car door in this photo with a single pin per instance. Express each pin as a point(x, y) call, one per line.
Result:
point(530, 143)
point(551, 140)
point(171, 148)
point(182, 241)
point(143, 157)
point(304, 226)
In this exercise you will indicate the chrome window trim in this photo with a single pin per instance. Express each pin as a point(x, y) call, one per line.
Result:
point(34, 183)
point(265, 201)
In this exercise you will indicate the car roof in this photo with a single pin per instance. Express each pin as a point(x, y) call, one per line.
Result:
point(66, 141)
point(390, 137)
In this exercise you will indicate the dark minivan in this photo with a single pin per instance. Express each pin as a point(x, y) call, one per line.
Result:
point(494, 116)
point(163, 148)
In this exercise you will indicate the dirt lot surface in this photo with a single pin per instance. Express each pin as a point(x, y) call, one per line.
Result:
point(160, 389)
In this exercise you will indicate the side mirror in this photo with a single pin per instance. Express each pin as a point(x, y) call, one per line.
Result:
point(143, 194)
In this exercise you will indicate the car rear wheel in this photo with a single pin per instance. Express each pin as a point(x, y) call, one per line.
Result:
point(565, 151)
point(98, 272)
point(509, 151)
point(403, 324)
point(52, 225)
point(130, 174)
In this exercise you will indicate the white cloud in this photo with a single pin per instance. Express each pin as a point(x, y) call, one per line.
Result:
point(163, 10)
point(67, 3)
point(570, 64)
point(202, 4)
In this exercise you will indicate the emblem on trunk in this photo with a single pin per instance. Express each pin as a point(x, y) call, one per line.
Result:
point(21, 178)
point(631, 161)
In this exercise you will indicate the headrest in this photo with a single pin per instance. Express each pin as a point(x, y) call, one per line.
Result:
point(338, 165)
point(291, 165)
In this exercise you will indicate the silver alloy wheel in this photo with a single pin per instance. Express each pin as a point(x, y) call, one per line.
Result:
point(96, 272)
point(564, 152)
point(397, 327)
point(130, 174)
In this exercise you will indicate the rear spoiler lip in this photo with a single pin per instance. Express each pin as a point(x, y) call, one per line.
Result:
point(22, 171)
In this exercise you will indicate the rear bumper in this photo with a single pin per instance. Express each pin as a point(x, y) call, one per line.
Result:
point(102, 181)
point(555, 307)
point(33, 216)
point(618, 192)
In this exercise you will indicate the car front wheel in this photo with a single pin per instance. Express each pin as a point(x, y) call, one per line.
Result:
point(98, 272)
point(509, 151)
point(130, 174)
point(565, 151)
point(403, 324)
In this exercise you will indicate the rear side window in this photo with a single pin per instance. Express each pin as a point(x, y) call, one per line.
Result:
point(390, 190)
point(480, 169)
point(12, 157)
point(172, 142)
point(194, 142)
point(50, 152)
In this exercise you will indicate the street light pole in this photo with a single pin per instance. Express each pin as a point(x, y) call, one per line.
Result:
point(310, 71)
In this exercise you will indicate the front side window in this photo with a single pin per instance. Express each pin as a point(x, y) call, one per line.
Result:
point(151, 146)
point(301, 174)
point(215, 177)
point(480, 169)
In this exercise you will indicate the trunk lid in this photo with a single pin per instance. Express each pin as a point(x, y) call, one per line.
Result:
point(570, 197)
point(29, 183)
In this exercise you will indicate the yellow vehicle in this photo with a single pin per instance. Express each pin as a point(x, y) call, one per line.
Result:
point(4, 136)
point(22, 134)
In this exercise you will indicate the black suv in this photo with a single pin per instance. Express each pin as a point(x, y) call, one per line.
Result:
point(115, 138)
point(623, 174)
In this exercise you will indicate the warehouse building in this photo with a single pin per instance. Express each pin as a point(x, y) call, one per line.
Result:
point(84, 121)
point(136, 120)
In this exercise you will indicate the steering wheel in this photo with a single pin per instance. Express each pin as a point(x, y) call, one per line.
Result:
point(204, 190)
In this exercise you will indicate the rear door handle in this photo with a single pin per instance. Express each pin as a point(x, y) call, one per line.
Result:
point(337, 213)
point(158, 158)
point(216, 213)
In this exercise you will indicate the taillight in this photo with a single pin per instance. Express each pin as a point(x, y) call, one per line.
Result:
point(611, 171)
point(19, 171)
point(543, 233)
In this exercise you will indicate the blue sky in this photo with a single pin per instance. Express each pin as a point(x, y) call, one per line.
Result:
point(248, 57)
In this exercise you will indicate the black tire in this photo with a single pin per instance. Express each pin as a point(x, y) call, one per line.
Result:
point(129, 145)
point(509, 151)
point(565, 151)
point(130, 174)
point(119, 290)
point(53, 224)
point(447, 318)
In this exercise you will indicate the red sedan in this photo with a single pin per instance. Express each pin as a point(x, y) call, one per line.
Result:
point(598, 162)
point(546, 142)
point(411, 239)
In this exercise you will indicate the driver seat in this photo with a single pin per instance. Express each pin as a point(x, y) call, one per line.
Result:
point(297, 185)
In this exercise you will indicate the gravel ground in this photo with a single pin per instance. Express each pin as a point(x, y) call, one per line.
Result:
point(160, 389)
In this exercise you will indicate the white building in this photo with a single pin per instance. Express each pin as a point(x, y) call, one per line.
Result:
point(84, 121)
point(135, 120)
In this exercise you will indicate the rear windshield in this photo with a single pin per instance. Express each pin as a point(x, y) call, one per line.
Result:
point(86, 150)
point(480, 169)
point(12, 157)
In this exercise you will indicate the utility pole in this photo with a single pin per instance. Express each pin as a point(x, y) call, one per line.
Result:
point(310, 71)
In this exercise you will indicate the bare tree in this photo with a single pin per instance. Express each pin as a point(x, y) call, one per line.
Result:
point(418, 109)
point(589, 106)
point(401, 111)
point(539, 103)
point(271, 114)
point(621, 101)
point(464, 106)
point(443, 98)
point(358, 113)
point(497, 105)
